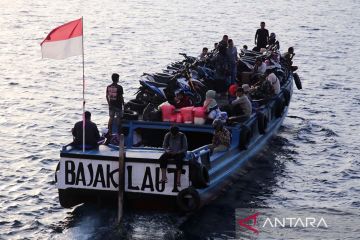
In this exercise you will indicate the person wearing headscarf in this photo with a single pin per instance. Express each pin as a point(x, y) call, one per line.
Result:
point(210, 105)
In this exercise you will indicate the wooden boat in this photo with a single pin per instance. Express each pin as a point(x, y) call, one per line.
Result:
point(93, 175)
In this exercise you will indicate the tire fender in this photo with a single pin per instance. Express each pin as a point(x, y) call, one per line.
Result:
point(245, 137)
point(279, 107)
point(188, 200)
point(297, 81)
point(199, 175)
point(287, 96)
point(262, 122)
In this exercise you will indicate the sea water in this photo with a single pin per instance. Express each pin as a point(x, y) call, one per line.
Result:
point(313, 162)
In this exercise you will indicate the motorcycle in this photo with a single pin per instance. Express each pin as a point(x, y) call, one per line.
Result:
point(156, 92)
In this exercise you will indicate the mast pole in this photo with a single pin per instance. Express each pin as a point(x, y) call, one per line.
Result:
point(83, 93)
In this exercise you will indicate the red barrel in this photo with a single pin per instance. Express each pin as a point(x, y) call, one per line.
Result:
point(187, 114)
point(167, 111)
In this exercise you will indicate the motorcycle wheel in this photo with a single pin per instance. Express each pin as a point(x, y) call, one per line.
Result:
point(142, 96)
point(197, 99)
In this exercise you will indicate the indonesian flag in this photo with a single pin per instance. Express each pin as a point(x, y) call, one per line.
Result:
point(64, 41)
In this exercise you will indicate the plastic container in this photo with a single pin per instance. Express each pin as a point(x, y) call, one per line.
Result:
point(179, 118)
point(173, 117)
point(199, 115)
point(167, 111)
point(187, 114)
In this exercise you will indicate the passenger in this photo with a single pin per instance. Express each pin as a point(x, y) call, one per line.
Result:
point(263, 90)
point(204, 54)
point(259, 66)
point(273, 43)
point(232, 91)
point(245, 47)
point(275, 82)
point(175, 146)
point(181, 100)
point(211, 106)
point(233, 56)
point(115, 100)
point(224, 41)
point(214, 51)
point(137, 138)
point(288, 56)
point(92, 135)
point(258, 70)
point(222, 70)
point(221, 138)
point(241, 105)
point(247, 90)
point(261, 37)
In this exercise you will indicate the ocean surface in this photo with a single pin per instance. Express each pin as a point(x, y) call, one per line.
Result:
point(313, 162)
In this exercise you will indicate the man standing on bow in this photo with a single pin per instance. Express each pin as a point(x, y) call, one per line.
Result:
point(115, 100)
point(261, 37)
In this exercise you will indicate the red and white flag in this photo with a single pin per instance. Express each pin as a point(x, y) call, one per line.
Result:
point(64, 41)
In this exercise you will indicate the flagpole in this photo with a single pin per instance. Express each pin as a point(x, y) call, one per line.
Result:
point(83, 63)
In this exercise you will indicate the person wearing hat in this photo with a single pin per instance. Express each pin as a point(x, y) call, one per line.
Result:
point(221, 137)
point(175, 146)
point(115, 100)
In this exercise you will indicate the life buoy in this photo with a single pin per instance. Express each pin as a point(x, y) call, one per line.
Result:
point(130, 115)
point(279, 107)
point(262, 122)
point(297, 81)
point(287, 96)
point(188, 200)
point(136, 105)
point(199, 175)
point(245, 137)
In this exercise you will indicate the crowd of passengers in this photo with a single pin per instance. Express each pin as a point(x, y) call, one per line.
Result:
point(262, 84)
point(241, 88)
